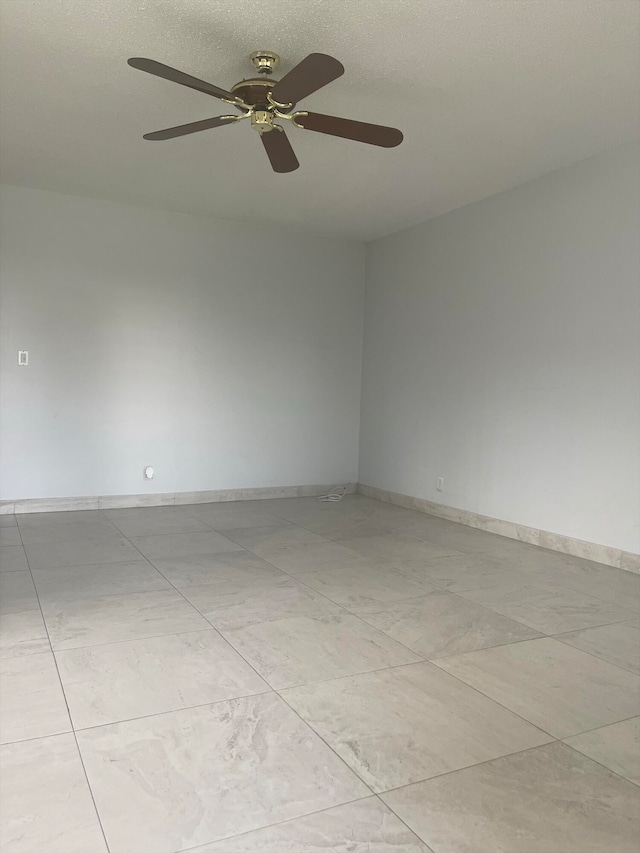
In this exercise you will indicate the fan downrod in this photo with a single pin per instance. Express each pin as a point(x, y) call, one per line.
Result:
point(265, 61)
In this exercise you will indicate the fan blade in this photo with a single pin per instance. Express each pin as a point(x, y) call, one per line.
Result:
point(193, 127)
point(360, 131)
point(307, 77)
point(168, 73)
point(279, 151)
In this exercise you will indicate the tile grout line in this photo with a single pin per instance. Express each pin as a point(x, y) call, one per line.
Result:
point(64, 696)
point(470, 766)
point(382, 794)
point(463, 594)
point(597, 728)
point(595, 760)
point(414, 831)
point(499, 758)
point(267, 692)
point(535, 725)
point(247, 832)
point(592, 654)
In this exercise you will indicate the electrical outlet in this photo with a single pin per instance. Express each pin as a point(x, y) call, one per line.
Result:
point(148, 472)
point(440, 484)
point(23, 357)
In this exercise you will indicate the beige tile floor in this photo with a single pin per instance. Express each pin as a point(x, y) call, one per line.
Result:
point(289, 676)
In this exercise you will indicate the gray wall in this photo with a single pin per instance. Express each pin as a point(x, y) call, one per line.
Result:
point(502, 353)
point(226, 356)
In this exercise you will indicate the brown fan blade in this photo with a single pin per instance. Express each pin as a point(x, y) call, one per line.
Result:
point(360, 131)
point(193, 127)
point(307, 77)
point(168, 73)
point(279, 151)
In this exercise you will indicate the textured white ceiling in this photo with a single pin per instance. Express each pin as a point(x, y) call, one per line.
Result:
point(489, 94)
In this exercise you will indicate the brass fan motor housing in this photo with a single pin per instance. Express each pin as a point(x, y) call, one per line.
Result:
point(255, 95)
point(254, 91)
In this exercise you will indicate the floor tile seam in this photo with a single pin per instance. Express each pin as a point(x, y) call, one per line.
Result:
point(66, 702)
point(604, 726)
point(435, 593)
point(206, 630)
point(280, 690)
point(285, 548)
point(593, 654)
point(81, 729)
point(515, 713)
point(285, 525)
point(213, 627)
point(141, 559)
point(37, 608)
point(104, 595)
point(180, 589)
point(227, 633)
point(345, 606)
point(313, 615)
point(4, 657)
point(342, 761)
point(429, 844)
point(62, 523)
point(537, 639)
point(193, 514)
point(288, 524)
point(384, 793)
point(68, 731)
point(442, 591)
point(247, 832)
point(306, 586)
point(449, 592)
point(464, 594)
point(433, 662)
point(109, 537)
point(238, 549)
point(138, 535)
point(404, 823)
point(598, 597)
point(486, 648)
point(604, 766)
point(128, 559)
point(130, 537)
point(215, 554)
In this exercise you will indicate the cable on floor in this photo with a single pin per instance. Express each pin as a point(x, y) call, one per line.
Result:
point(335, 494)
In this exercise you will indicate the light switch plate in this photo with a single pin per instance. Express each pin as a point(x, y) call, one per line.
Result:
point(23, 357)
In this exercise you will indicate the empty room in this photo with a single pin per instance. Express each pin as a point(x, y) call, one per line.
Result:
point(320, 426)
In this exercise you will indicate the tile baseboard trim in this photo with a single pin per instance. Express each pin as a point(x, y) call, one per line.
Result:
point(615, 557)
point(163, 499)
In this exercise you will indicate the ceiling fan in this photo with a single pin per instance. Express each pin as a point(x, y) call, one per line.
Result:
point(264, 101)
